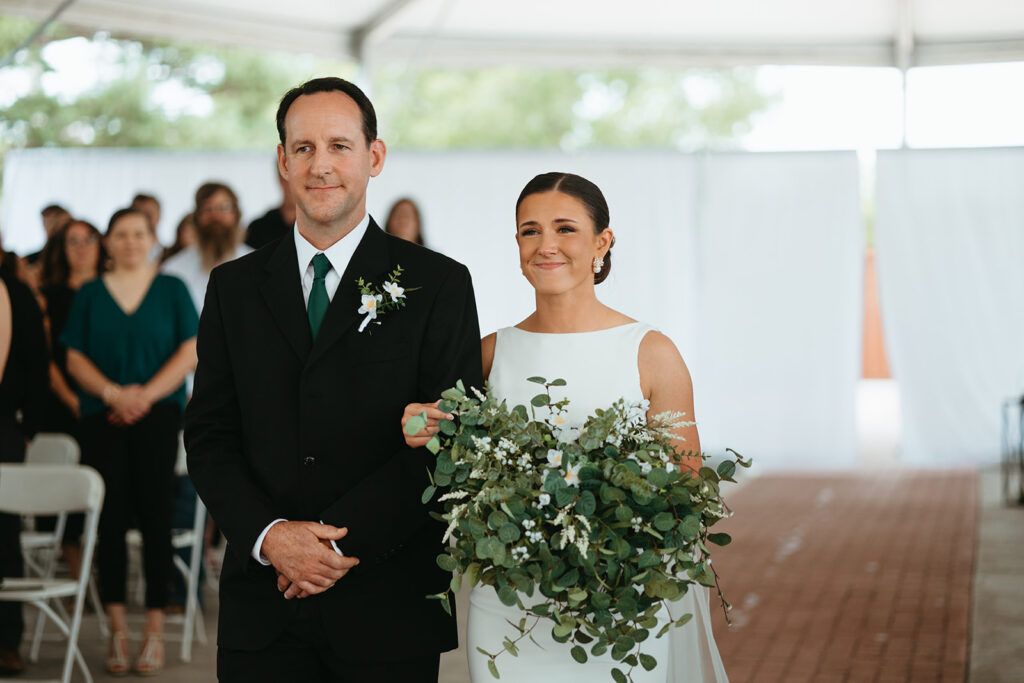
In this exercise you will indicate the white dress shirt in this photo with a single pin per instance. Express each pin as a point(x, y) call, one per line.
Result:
point(339, 254)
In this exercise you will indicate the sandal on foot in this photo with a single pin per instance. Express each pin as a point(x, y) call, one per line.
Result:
point(117, 654)
point(151, 656)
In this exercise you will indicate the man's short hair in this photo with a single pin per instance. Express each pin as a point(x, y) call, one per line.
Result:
point(53, 208)
point(330, 84)
point(140, 198)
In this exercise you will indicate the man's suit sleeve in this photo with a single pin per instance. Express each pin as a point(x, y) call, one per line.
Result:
point(389, 500)
point(213, 437)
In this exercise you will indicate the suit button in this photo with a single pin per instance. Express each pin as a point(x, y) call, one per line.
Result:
point(309, 461)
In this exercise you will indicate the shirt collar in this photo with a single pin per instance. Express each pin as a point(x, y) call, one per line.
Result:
point(339, 253)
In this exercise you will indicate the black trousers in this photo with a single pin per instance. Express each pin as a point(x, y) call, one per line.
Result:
point(137, 465)
point(302, 654)
point(12, 449)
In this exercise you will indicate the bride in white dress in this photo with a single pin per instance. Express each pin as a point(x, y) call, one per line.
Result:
point(564, 251)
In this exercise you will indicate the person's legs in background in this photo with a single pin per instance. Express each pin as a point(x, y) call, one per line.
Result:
point(12, 625)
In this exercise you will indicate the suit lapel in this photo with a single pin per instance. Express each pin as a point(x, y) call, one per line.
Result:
point(371, 262)
point(282, 290)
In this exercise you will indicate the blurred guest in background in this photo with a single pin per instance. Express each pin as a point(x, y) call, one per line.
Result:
point(23, 364)
point(77, 257)
point(276, 222)
point(404, 221)
point(54, 218)
point(218, 233)
point(184, 236)
point(149, 205)
point(130, 338)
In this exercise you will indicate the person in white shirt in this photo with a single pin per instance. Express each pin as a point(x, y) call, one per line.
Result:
point(218, 229)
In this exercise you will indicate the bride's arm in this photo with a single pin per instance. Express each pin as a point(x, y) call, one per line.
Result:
point(433, 414)
point(487, 352)
point(666, 383)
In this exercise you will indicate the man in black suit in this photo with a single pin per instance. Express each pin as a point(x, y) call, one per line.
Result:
point(293, 432)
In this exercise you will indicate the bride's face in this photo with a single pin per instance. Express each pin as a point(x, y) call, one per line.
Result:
point(558, 242)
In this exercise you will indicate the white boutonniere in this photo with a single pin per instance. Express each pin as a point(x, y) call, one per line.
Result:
point(376, 301)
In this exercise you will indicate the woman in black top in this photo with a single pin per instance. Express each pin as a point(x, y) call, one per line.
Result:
point(76, 255)
point(22, 390)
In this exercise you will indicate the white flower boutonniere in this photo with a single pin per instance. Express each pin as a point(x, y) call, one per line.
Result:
point(373, 302)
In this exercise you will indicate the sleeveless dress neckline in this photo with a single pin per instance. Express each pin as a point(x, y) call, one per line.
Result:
point(567, 334)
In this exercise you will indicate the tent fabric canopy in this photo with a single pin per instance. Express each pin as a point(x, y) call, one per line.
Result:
point(899, 33)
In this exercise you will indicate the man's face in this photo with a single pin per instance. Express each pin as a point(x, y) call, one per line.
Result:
point(326, 160)
point(217, 213)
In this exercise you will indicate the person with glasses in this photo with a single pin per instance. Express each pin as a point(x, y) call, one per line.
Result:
point(75, 256)
point(218, 232)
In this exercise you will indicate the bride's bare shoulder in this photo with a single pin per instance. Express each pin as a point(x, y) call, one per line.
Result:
point(660, 362)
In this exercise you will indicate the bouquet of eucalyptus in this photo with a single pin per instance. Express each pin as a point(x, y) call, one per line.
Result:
point(600, 521)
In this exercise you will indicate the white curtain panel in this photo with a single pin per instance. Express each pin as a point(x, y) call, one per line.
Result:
point(950, 234)
point(780, 253)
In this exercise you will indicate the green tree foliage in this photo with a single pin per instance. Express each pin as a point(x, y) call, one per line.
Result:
point(528, 108)
point(161, 94)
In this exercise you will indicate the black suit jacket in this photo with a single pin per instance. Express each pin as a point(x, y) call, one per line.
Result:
point(282, 426)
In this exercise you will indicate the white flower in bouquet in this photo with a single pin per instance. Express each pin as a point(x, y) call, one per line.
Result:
point(554, 457)
point(572, 475)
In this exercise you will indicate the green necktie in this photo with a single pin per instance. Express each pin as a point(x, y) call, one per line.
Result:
point(318, 300)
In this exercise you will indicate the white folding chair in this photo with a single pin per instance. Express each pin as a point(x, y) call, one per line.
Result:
point(51, 490)
point(42, 548)
point(193, 625)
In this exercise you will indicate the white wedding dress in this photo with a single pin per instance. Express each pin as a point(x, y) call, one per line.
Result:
point(599, 368)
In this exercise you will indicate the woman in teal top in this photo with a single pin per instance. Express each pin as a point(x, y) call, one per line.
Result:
point(131, 341)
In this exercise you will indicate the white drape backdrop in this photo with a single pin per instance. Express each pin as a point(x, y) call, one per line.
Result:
point(950, 232)
point(780, 251)
point(751, 263)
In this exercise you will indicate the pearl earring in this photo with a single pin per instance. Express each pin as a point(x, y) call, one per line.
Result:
point(598, 264)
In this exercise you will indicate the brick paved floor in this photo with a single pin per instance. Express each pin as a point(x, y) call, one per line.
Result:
point(849, 578)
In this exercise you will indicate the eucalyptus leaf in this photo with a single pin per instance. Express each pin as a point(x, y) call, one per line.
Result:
point(434, 445)
point(726, 469)
point(537, 380)
point(558, 382)
point(540, 400)
point(587, 504)
point(428, 493)
point(493, 668)
point(472, 574)
point(683, 620)
point(579, 654)
point(452, 395)
point(509, 533)
point(415, 424)
point(720, 539)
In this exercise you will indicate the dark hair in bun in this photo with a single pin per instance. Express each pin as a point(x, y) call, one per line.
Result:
point(587, 193)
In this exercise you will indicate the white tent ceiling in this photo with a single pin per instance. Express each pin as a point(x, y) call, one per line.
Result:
point(901, 33)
